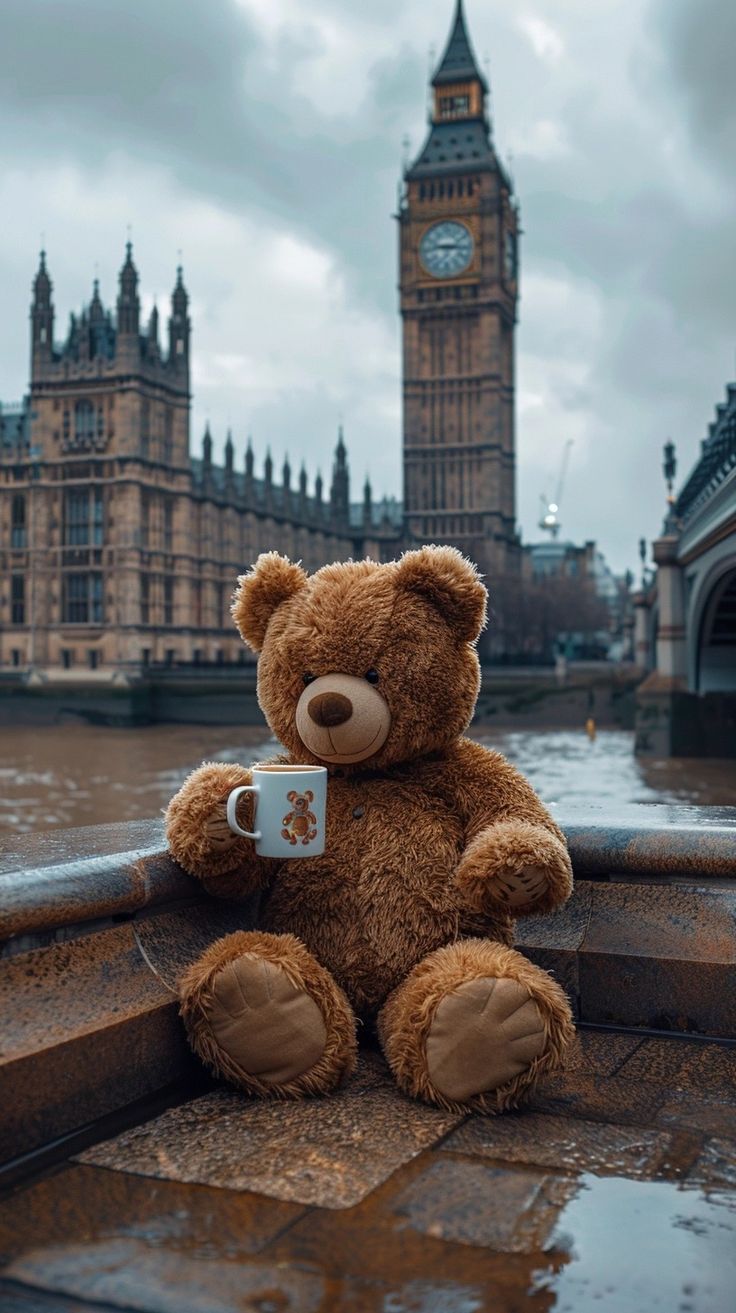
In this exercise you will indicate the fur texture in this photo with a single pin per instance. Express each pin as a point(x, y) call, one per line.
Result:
point(197, 1002)
point(405, 1021)
point(424, 838)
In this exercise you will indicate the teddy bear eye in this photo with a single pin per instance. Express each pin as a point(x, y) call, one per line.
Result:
point(308, 677)
point(372, 676)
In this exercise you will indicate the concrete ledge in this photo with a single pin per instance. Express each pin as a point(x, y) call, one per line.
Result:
point(67, 877)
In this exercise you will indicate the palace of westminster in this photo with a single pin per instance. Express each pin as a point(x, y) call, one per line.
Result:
point(118, 549)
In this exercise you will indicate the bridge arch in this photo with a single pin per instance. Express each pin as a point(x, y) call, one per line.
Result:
point(713, 630)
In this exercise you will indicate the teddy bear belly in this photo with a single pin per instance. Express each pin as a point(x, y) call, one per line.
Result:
point(370, 936)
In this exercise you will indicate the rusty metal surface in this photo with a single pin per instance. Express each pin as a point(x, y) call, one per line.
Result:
point(331, 1152)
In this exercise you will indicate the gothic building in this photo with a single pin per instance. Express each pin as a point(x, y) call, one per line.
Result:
point(119, 549)
point(458, 278)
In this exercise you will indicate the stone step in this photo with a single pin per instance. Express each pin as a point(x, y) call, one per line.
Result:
point(89, 965)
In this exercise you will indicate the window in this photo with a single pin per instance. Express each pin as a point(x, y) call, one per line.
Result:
point(93, 658)
point(18, 600)
point(145, 519)
point(145, 426)
point(168, 600)
point(145, 600)
point(168, 436)
point(221, 621)
point(15, 656)
point(146, 656)
point(450, 106)
point(168, 525)
point(83, 517)
point(84, 423)
point(82, 599)
point(18, 522)
point(67, 658)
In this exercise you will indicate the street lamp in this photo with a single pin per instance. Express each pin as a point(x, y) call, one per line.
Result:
point(670, 469)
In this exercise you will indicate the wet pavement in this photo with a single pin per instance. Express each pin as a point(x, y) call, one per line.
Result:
point(615, 1189)
point(100, 775)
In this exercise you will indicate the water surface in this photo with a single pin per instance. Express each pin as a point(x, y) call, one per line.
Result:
point(74, 774)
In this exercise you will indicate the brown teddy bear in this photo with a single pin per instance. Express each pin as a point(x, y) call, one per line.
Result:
point(433, 844)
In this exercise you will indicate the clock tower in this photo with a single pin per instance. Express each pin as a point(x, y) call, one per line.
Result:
point(458, 279)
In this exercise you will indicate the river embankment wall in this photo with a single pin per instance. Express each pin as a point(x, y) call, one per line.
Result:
point(510, 697)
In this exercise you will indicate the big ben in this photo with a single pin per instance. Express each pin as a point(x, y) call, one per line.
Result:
point(458, 280)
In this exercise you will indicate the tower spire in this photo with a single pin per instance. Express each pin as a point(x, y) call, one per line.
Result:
point(458, 63)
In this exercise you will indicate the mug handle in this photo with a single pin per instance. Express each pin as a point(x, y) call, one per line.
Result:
point(232, 803)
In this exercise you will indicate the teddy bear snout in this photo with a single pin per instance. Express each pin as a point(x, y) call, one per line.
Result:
point(330, 709)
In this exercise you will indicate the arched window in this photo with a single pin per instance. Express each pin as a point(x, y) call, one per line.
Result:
point(84, 422)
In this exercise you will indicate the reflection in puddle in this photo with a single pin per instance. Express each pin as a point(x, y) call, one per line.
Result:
point(60, 776)
point(636, 1246)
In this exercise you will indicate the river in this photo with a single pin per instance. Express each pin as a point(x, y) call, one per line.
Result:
point(74, 774)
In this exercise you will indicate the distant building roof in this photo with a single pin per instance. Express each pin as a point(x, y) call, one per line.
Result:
point(718, 458)
point(455, 147)
point(15, 424)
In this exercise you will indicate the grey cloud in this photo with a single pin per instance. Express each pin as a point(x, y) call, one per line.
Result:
point(699, 46)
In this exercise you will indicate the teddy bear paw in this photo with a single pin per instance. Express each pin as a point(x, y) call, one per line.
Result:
point(520, 888)
point(484, 1034)
point(269, 1027)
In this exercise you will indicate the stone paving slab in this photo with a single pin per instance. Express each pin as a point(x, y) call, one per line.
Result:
point(529, 1212)
point(572, 1145)
point(330, 1151)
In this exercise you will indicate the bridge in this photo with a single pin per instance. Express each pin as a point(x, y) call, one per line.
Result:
point(685, 629)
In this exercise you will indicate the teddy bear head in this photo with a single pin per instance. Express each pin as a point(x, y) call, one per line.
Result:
point(364, 665)
point(300, 801)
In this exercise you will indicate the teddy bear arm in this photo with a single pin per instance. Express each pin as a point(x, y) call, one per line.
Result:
point(515, 856)
point(200, 839)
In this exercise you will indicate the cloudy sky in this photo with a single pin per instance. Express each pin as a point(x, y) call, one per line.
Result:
point(263, 139)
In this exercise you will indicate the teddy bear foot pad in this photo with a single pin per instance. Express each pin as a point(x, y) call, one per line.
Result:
point(269, 1026)
point(484, 1034)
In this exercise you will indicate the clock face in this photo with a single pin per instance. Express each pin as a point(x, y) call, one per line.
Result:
point(446, 249)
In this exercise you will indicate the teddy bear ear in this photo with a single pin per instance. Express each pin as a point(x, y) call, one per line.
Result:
point(291, 796)
point(444, 577)
point(273, 580)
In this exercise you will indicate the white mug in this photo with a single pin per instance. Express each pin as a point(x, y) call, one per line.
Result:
point(289, 810)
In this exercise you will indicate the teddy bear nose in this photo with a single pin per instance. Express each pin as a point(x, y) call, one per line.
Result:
point(329, 709)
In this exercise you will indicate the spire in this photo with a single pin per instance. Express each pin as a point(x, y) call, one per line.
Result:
point(458, 64)
point(268, 467)
point(340, 449)
point(303, 481)
point(286, 474)
point(207, 445)
point(249, 460)
point(229, 452)
point(42, 318)
point(340, 489)
point(42, 284)
point(180, 297)
point(367, 501)
point(128, 304)
point(153, 347)
point(96, 312)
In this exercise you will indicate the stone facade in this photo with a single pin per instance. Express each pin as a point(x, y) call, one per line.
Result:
point(117, 548)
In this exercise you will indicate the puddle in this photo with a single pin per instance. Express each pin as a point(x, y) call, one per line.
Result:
point(641, 1246)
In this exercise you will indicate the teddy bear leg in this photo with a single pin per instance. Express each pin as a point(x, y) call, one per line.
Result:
point(261, 1012)
point(474, 1025)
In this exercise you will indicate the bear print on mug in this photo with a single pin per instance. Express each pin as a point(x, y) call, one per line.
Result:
point(300, 822)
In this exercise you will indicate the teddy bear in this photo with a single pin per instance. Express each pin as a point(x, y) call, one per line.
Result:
point(433, 845)
point(300, 822)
